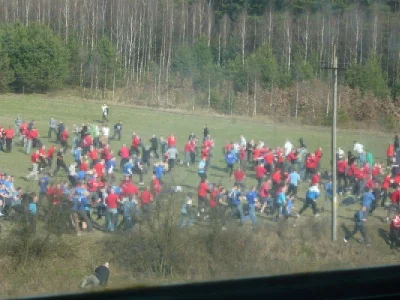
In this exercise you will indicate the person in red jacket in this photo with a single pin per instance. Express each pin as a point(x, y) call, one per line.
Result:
point(358, 181)
point(311, 165)
point(94, 155)
point(111, 202)
point(171, 141)
point(394, 207)
point(276, 180)
point(145, 202)
point(124, 154)
point(269, 161)
point(87, 143)
point(213, 204)
point(135, 144)
point(9, 133)
point(260, 173)
point(390, 154)
point(202, 192)
point(156, 186)
point(64, 139)
point(35, 166)
point(341, 175)
point(318, 156)
point(315, 180)
point(394, 234)
point(99, 168)
point(239, 176)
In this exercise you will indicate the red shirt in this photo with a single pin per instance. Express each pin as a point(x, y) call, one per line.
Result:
point(376, 171)
point(213, 197)
point(33, 134)
point(188, 147)
point(87, 141)
point(34, 157)
point(341, 166)
point(204, 153)
point(23, 127)
point(311, 162)
point(84, 166)
point(42, 152)
point(318, 154)
point(51, 151)
point(94, 154)
point(291, 156)
point(260, 171)
point(171, 141)
point(156, 186)
point(135, 142)
point(264, 191)
point(207, 143)
point(203, 189)
point(358, 173)
point(395, 197)
point(124, 152)
point(277, 177)
point(390, 150)
point(369, 184)
point(64, 135)
point(9, 133)
point(269, 158)
point(112, 200)
point(242, 154)
point(256, 153)
point(281, 158)
point(228, 147)
point(386, 183)
point(239, 175)
point(56, 195)
point(314, 179)
point(395, 222)
point(99, 168)
point(129, 189)
point(146, 197)
point(93, 185)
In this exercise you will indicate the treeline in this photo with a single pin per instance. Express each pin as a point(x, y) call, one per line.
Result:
point(238, 56)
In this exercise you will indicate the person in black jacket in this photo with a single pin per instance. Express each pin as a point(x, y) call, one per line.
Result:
point(154, 146)
point(100, 277)
point(396, 143)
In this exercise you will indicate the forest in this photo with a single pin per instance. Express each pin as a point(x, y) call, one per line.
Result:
point(238, 57)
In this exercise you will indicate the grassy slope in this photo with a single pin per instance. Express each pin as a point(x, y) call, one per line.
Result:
point(147, 122)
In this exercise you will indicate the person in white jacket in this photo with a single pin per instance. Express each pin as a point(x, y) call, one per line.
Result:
point(288, 147)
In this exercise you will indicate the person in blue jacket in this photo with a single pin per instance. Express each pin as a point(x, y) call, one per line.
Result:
point(251, 198)
point(312, 195)
point(230, 159)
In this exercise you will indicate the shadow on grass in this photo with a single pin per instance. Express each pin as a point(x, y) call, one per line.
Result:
point(349, 200)
point(384, 235)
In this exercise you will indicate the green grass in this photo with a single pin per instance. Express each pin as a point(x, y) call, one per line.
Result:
point(147, 122)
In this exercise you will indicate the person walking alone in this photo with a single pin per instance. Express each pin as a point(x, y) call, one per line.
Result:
point(360, 218)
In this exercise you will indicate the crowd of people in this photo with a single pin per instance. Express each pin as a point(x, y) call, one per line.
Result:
point(264, 179)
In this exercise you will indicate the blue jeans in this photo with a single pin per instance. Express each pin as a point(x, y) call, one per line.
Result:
point(186, 220)
point(129, 222)
point(28, 146)
point(112, 219)
point(74, 142)
point(239, 209)
point(252, 214)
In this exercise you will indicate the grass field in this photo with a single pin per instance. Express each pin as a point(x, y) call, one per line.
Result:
point(147, 122)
